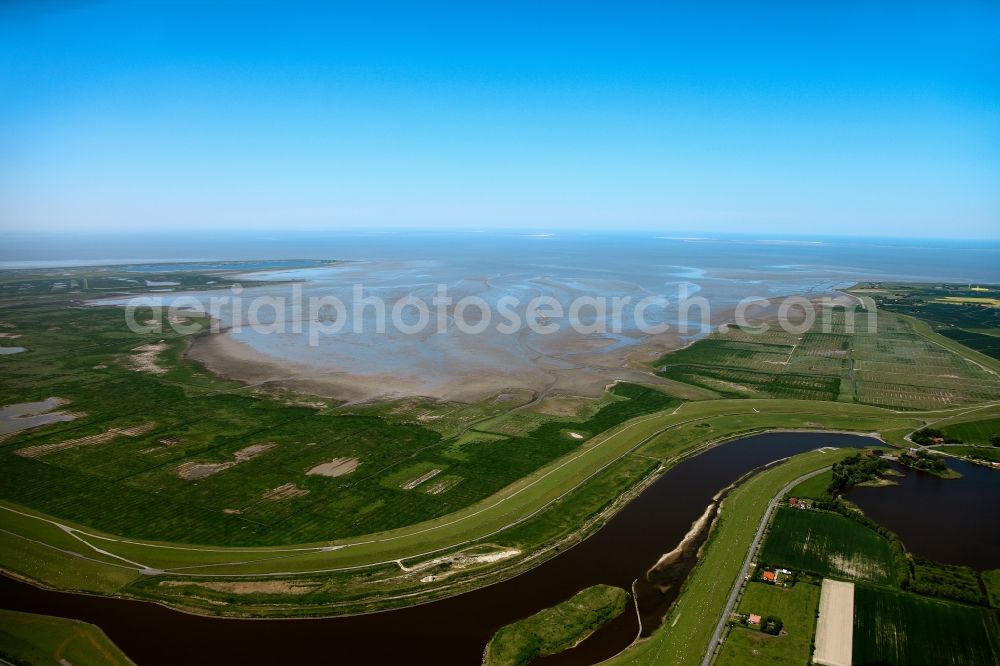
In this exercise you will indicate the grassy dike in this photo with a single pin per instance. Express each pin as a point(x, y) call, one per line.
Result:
point(556, 629)
point(558, 505)
point(685, 634)
point(26, 638)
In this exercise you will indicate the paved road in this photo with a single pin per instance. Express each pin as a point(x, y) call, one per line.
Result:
point(741, 579)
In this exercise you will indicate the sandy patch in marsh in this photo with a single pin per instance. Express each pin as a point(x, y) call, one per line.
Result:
point(10, 336)
point(146, 358)
point(439, 487)
point(413, 483)
point(90, 440)
point(192, 471)
point(249, 587)
point(458, 561)
point(335, 467)
point(285, 491)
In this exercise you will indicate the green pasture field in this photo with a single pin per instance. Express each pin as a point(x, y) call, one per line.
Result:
point(896, 367)
point(40, 639)
point(814, 488)
point(988, 453)
point(686, 632)
point(827, 544)
point(892, 627)
point(556, 629)
point(973, 432)
point(796, 606)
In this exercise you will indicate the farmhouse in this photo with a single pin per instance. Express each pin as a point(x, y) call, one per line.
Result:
point(753, 619)
point(768, 576)
point(796, 503)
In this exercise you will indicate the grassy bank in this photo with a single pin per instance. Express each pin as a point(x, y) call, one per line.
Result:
point(991, 580)
point(40, 639)
point(556, 629)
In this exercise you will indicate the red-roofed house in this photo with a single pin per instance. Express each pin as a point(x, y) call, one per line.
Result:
point(768, 576)
point(753, 619)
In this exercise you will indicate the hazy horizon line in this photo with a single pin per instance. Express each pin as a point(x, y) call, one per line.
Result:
point(679, 234)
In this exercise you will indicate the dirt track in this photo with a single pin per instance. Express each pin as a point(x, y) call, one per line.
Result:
point(835, 627)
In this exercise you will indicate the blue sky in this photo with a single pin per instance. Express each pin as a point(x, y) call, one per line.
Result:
point(789, 118)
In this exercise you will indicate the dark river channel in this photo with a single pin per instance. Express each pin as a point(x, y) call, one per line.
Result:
point(455, 630)
point(947, 520)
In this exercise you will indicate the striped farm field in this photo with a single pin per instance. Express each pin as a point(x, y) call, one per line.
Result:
point(827, 544)
point(892, 627)
point(897, 365)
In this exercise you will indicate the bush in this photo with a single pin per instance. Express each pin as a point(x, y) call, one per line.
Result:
point(926, 436)
point(771, 625)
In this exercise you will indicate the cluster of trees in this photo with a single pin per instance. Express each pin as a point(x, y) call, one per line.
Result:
point(947, 581)
point(858, 468)
point(925, 461)
point(928, 435)
point(771, 625)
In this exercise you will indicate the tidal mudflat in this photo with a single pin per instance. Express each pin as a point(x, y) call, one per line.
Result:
point(363, 362)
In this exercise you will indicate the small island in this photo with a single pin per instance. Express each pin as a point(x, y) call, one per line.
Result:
point(927, 462)
point(556, 629)
point(861, 469)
